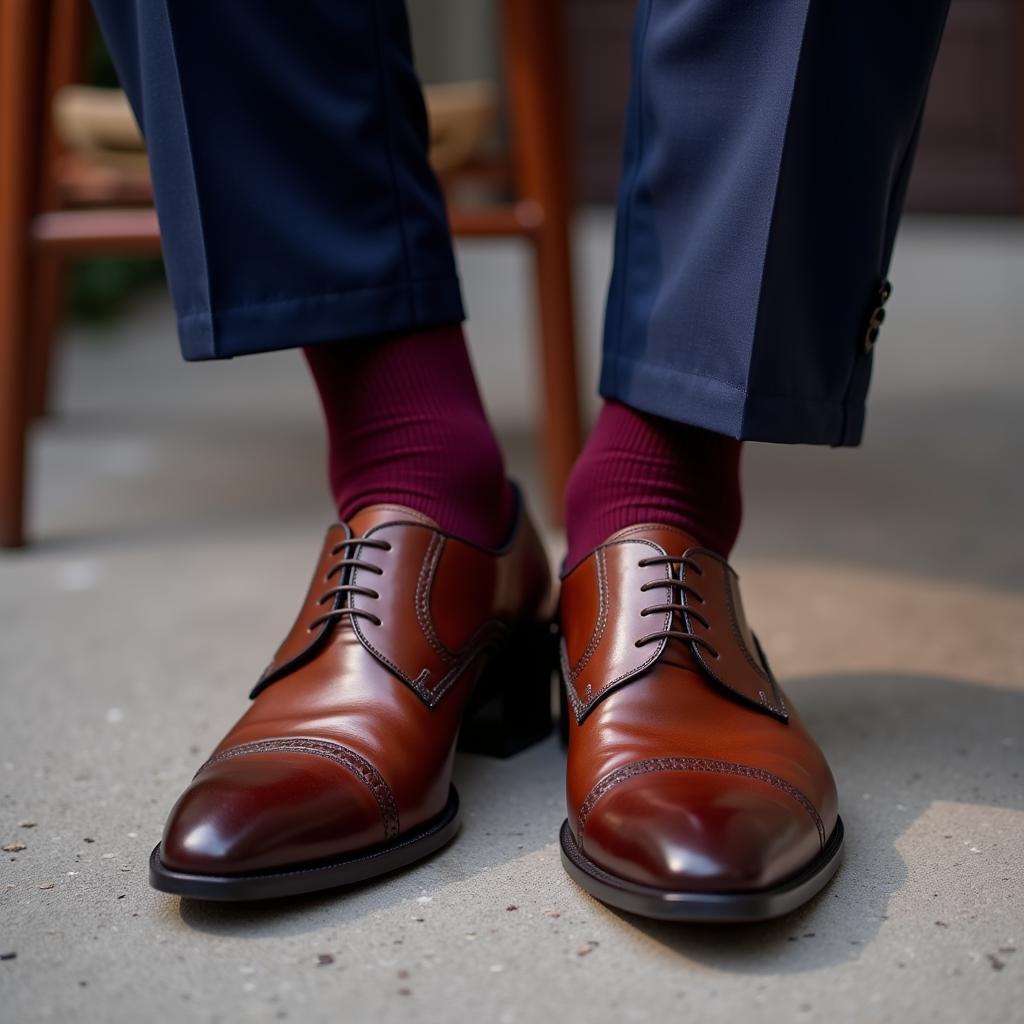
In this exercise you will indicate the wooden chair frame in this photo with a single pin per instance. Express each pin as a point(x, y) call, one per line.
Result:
point(48, 219)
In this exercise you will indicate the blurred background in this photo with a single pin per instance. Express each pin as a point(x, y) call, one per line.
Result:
point(949, 370)
point(173, 512)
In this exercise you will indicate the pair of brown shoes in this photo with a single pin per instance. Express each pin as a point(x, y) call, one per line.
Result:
point(694, 792)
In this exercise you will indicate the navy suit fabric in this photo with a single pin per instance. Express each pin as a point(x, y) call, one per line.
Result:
point(767, 151)
point(288, 147)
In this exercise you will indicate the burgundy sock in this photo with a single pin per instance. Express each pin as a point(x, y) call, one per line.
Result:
point(638, 468)
point(405, 424)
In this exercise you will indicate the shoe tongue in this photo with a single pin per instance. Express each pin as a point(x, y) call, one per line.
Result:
point(374, 515)
point(671, 538)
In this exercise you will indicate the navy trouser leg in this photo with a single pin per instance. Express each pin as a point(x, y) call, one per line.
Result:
point(288, 145)
point(767, 153)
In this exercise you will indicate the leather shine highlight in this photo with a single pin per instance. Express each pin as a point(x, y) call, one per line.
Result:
point(686, 771)
point(350, 738)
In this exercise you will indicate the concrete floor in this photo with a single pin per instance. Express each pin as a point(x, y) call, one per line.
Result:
point(177, 511)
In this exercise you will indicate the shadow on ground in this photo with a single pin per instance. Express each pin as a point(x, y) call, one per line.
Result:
point(897, 744)
point(915, 741)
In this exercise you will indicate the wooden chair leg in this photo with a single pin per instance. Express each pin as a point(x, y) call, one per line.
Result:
point(20, 26)
point(66, 44)
point(533, 33)
point(46, 314)
point(561, 414)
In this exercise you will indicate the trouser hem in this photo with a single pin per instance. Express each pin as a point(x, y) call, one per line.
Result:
point(726, 408)
point(315, 319)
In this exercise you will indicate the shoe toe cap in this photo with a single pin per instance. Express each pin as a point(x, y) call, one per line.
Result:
point(695, 832)
point(260, 812)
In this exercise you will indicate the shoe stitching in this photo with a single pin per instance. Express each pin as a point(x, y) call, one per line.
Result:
point(730, 605)
point(642, 528)
point(779, 706)
point(278, 668)
point(489, 634)
point(487, 638)
point(410, 514)
point(418, 683)
point(331, 751)
point(582, 707)
point(695, 764)
point(424, 585)
point(602, 616)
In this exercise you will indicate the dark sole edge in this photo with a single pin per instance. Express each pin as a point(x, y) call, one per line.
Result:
point(702, 907)
point(349, 870)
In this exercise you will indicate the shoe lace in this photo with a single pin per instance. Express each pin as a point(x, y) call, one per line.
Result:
point(345, 548)
point(678, 589)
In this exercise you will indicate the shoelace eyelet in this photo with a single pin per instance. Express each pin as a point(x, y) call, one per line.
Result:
point(676, 585)
point(350, 590)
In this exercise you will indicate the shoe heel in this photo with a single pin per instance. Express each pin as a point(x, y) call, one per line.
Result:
point(511, 708)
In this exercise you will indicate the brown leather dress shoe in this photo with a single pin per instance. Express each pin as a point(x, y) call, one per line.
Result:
point(340, 770)
point(694, 791)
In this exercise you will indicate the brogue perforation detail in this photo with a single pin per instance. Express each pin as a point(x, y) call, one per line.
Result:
point(695, 764)
point(331, 751)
